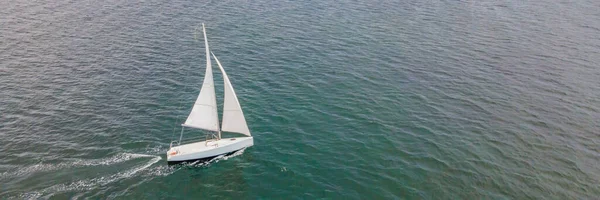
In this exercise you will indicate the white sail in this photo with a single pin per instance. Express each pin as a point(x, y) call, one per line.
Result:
point(204, 113)
point(233, 117)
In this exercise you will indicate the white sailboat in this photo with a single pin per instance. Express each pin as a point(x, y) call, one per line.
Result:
point(204, 116)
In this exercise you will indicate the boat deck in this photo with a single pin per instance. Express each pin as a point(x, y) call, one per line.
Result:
point(204, 149)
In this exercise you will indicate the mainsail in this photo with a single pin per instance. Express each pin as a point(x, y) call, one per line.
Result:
point(204, 113)
point(233, 117)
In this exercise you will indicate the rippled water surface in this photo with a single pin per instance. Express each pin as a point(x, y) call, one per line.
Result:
point(346, 100)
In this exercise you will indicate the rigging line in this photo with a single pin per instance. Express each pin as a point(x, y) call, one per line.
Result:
point(181, 102)
point(178, 118)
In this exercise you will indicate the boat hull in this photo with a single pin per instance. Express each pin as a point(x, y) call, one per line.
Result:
point(206, 150)
point(200, 160)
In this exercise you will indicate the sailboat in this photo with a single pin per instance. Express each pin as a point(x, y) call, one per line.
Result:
point(204, 116)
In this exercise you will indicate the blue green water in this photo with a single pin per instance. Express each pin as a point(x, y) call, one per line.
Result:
point(346, 100)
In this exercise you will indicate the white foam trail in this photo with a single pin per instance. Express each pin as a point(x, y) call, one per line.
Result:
point(94, 182)
point(42, 167)
point(156, 150)
point(162, 170)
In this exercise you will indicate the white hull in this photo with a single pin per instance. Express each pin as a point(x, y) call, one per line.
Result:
point(207, 149)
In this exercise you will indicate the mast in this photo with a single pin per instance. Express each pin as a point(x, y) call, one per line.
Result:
point(204, 113)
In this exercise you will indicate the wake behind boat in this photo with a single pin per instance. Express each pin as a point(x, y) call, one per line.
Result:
point(204, 115)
